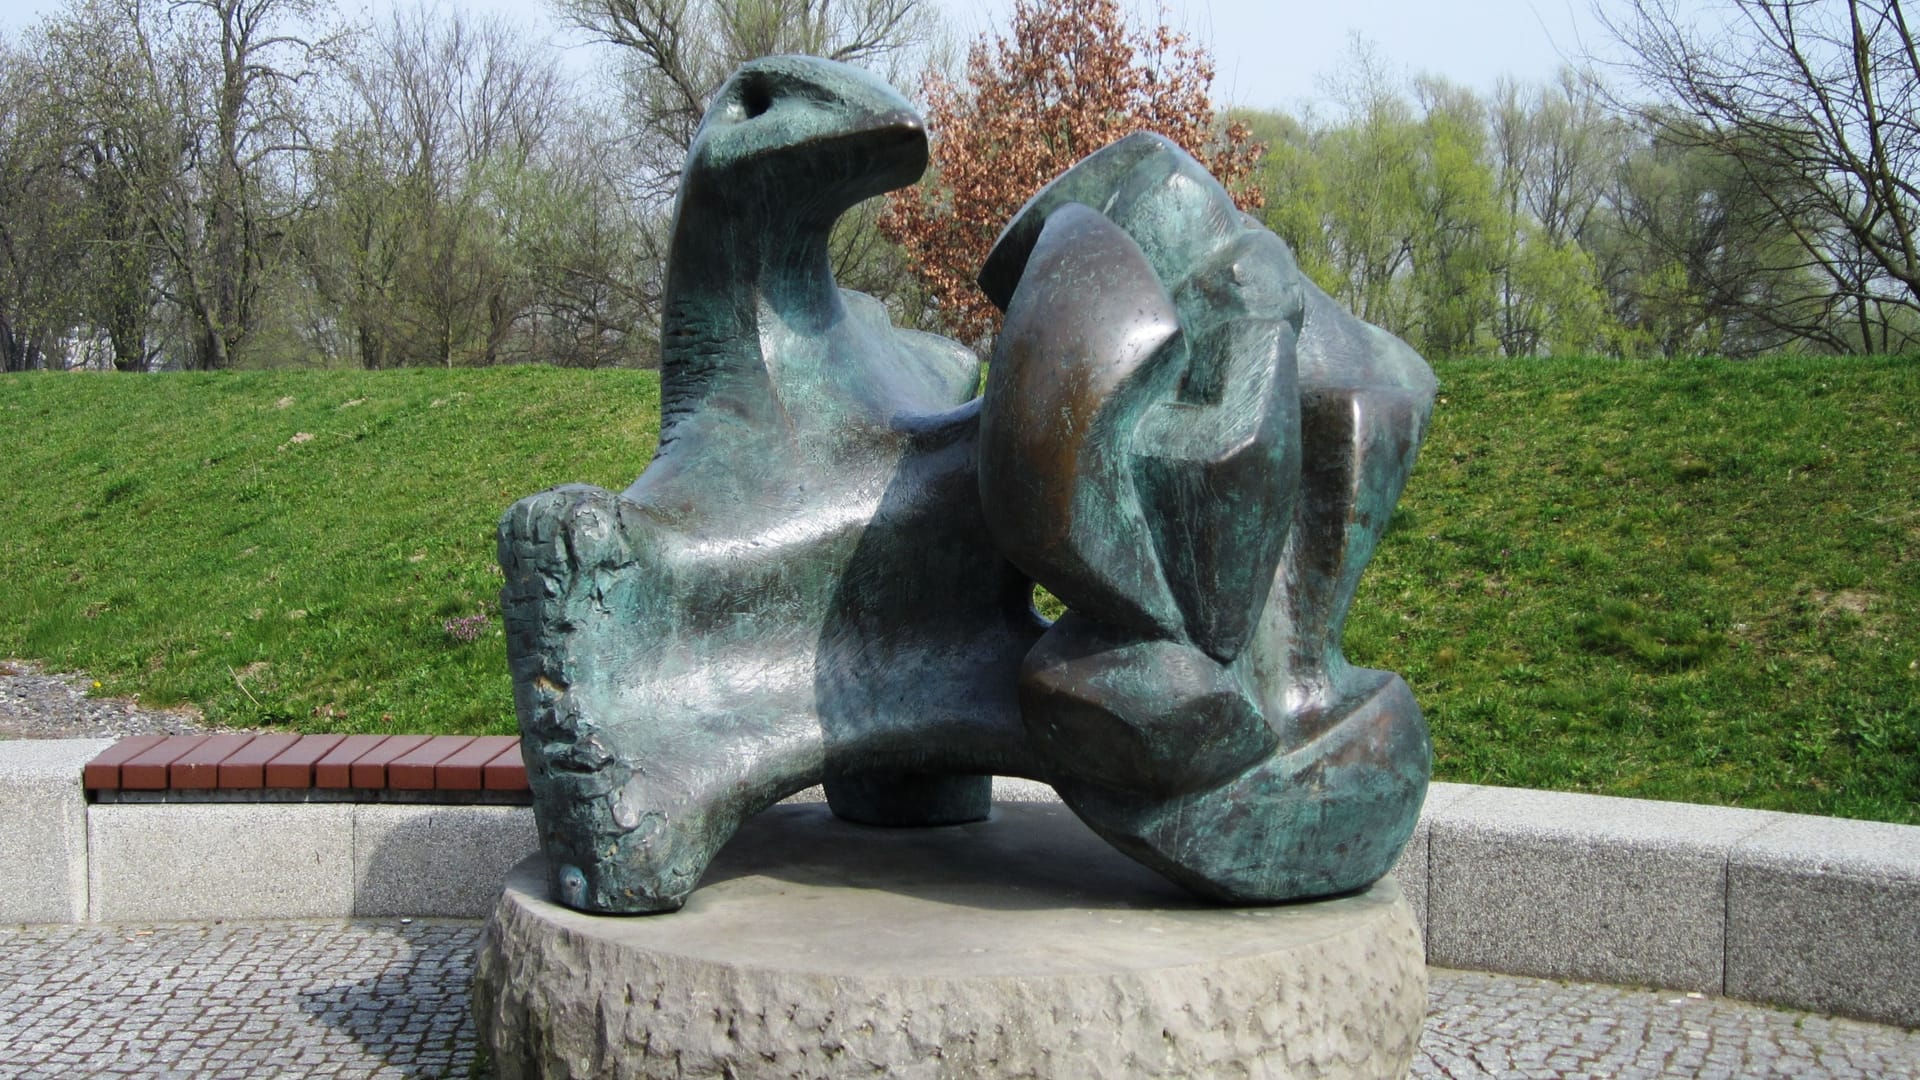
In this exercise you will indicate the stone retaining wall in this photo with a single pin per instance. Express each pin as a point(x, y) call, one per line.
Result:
point(1808, 912)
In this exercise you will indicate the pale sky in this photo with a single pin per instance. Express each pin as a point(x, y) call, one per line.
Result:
point(1269, 54)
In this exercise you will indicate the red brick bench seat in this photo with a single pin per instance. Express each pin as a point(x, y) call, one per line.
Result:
point(239, 761)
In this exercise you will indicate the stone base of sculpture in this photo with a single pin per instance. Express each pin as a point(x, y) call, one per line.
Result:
point(1020, 946)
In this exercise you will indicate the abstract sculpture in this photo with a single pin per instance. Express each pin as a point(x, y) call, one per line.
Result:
point(825, 574)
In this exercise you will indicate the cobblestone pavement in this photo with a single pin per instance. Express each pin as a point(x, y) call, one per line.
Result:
point(388, 1000)
point(1481, 1025)
point(239, 1000)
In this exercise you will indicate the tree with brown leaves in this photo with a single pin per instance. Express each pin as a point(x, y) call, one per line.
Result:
point(1073, 77)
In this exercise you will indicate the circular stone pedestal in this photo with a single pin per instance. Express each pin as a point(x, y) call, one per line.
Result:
point(1021, 946)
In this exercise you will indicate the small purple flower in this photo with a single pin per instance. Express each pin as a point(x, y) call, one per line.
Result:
point(467, 627)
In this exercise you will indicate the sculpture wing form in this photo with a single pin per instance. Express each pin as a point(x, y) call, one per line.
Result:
point(1090, 342)
point(1196, 451)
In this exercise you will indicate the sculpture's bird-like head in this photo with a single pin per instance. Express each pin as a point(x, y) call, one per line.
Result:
point(802, 138)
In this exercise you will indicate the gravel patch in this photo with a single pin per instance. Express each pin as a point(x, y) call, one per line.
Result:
point(36, 704)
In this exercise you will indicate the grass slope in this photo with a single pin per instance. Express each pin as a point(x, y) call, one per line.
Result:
point(1693, 581)
point(287, 548)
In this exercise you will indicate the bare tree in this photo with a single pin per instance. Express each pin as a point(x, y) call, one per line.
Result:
point(582, 242)
point(1818, 103)
point(185, 122)
point(442, 113)
point(35, 248)
point(675, 53)
point(467, 213)
point(96, 154)
point(248, 121)
point(1693, 261)
point(1556, 148)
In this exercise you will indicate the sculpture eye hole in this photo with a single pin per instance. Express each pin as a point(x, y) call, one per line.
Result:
point(756, 97)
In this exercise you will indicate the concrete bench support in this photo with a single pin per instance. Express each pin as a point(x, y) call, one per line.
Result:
point(161, 861)
point(43, 829)
point(444, 860)
point(221, 860)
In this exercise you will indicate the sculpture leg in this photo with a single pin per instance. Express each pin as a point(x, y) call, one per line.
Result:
point(910, 799)
point(632, 801)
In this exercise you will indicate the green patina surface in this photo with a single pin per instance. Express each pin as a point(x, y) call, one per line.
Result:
point(825, 573)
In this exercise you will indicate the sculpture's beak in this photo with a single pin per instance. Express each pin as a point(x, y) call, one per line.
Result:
point(832, 132)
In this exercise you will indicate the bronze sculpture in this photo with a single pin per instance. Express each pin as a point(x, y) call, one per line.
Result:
point(825, 573)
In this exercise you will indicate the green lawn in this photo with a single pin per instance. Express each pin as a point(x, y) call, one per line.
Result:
point(1687, 580)
point(287, 548)
point(1693, 580)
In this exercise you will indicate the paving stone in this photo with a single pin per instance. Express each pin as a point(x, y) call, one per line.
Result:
point(1858, 957)
point(322, 999)
point(1486, 1025)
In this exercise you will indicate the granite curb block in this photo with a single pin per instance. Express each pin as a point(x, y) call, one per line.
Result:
point(1812, 913)
point(1824, 914)
point(1805, 912)
point(1417, 856)
point(1564, 886)
point(43, 829)
point(155, 862)
point(436, 860)
point(160, 862)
